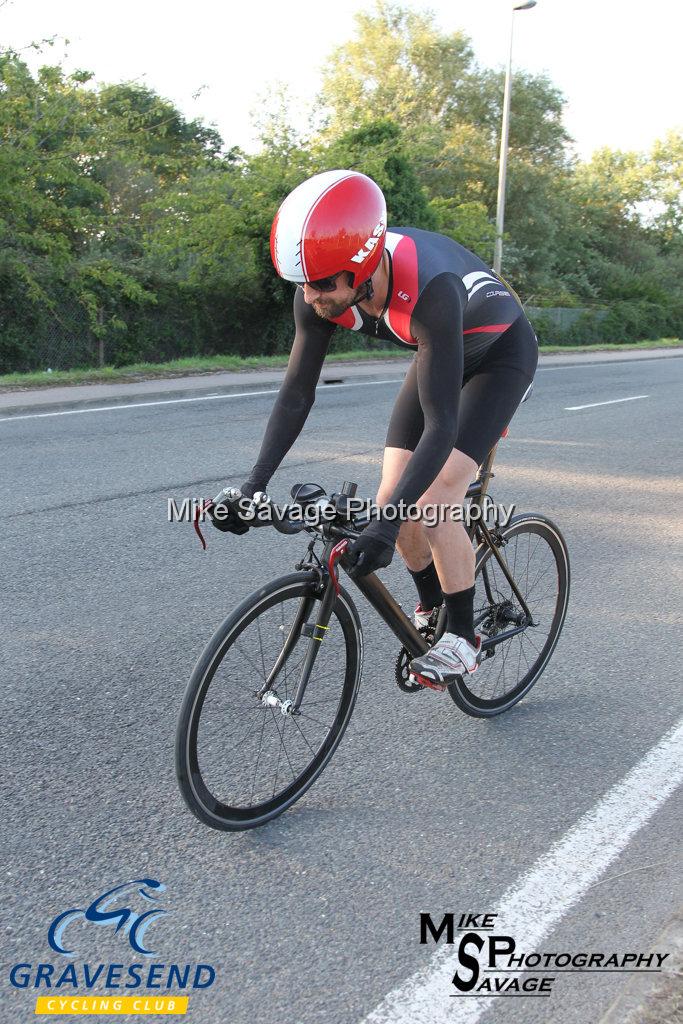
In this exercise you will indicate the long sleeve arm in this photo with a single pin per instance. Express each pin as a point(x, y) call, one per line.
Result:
point(296, 395)
point(437, 325)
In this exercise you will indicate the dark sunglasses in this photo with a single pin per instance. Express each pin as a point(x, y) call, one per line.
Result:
point(324, 284)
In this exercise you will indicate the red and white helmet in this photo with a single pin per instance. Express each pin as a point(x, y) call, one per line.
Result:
point(333, 221)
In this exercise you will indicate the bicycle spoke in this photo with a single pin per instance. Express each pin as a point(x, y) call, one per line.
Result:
point(260, 639)
point(533, 564)
point(282, 747)
point(530, 641)
point(291, 766)
point(522, 651)
point(277, 764)
point(252, 662)
point(248, 733)
point(263, 725)
point(303, 736)
point(248, 753)
point(310, 718)
point(539, 577)
point(319, 703)
point(285, 637)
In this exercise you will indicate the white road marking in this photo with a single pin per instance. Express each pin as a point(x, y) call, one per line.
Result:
point(270, 391)
point(594, 405)
point(510, 439)
point(179, 401)
point(536, 903)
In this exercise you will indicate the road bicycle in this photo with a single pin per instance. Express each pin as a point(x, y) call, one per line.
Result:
point(272, 694)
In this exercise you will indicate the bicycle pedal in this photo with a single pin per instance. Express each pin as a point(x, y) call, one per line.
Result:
point(415, 677)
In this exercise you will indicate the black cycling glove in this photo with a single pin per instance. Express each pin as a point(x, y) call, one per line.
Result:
point(373, 550)
point(225, 517)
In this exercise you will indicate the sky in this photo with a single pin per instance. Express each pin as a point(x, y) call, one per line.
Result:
point(616, 61)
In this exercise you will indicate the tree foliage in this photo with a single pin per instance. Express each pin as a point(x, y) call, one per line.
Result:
point(398, 67)
point(129, 229)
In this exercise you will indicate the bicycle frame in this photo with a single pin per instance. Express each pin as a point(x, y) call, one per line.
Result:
point(382, 601)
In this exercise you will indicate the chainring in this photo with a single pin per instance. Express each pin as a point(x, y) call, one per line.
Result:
point(403, 673)
point(402, 668)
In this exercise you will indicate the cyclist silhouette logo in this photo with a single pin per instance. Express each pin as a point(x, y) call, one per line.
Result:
point(104, 911)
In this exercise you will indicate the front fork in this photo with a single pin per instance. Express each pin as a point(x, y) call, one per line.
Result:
point(314, 631)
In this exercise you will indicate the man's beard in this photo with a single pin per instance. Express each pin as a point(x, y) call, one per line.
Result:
point(329, 310)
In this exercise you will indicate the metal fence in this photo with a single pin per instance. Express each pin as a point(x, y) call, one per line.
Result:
point(564, 317)
point(63, 346)
point(59, 340)
point(66, 341)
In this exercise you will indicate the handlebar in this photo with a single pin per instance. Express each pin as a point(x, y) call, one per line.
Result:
point(261, 511)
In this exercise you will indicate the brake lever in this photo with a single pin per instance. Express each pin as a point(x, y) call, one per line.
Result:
point(336, 553)
point(198, 513)
point(209, 503)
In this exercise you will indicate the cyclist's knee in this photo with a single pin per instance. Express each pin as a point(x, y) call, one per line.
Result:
point(384, 492)
point(393, 466)
point(412, 544)
point(452, 482)
point(410, 532)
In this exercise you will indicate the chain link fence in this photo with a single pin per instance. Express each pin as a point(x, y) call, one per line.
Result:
point(63, 345)
point(563, 318)
point(66, 341)
point(151, 334)
point(59, 340)
point(575, 325)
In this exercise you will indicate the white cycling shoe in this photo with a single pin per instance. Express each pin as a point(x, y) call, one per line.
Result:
point(421, 617)
point(451, 656)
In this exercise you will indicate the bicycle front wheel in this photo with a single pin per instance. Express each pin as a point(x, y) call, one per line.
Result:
point(537, 557)
point(242, 760)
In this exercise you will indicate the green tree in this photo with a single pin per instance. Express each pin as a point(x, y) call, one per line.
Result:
point(399, 66)
point(664, 174)
point(48, 207)
point(378, 150)
point(81, 175)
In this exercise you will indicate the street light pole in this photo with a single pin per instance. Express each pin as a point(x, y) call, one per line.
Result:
point(503, 161)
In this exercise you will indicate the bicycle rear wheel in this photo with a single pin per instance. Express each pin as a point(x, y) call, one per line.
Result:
point(537, 557)
point(240, 760)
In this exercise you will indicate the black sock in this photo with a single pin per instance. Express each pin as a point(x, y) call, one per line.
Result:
point(460, 612)
point(428, 587)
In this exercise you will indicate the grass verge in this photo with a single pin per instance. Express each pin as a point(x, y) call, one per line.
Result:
point(197, 365)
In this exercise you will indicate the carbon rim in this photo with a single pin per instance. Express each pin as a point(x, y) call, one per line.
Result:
point(241, 762)
point(537, 558)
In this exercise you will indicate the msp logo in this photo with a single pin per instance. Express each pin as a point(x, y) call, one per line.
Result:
point(489, 963)
point(129, 909)
point(125, 919)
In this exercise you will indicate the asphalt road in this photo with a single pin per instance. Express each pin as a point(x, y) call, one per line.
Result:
point(315, 917)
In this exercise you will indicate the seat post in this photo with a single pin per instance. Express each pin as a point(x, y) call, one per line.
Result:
point(484, 472)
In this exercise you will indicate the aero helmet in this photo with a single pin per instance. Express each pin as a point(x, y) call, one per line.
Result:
point(331, 222)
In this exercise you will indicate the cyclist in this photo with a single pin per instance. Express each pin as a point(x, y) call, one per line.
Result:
point(475, 357)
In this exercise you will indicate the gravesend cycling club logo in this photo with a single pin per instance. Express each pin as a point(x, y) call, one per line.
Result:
point(490, 963)
point(124, 919)
point(128, 911)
